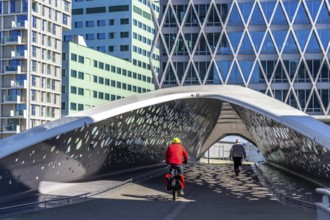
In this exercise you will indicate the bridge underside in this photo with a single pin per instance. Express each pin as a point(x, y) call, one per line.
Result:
point(134, 132)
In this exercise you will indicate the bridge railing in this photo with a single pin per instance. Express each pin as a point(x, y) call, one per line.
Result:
point(323, 209)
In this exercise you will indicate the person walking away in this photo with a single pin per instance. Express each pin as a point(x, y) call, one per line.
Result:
point(237, 153)
point(176, 155)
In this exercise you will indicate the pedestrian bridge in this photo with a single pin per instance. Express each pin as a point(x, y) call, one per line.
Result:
point(133, 133)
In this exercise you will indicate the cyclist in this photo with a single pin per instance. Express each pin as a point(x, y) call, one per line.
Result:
point(176, 155)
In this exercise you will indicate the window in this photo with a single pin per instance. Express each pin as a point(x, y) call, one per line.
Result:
point(73, 57)
point(81, 75)
point(101, 80)
point(81, 59)
point(101, 23)
point(78, 24)
point(101, 36)
point(74, 73)
point(95, 63)
point(101, 65)
point(73, 90)
point(101, 49)
point(89, 36)
point(124, 47)
point(80, 107)
point(65, 19)
point(111, 48)
point(73, 106)
point(111, 35)
point(107, 82)
point(111, 22)
point(95, 79)
point(124, 21)
point(89, 23)
point(95, 94)
point(124, 34)
point(101, 94)
point(118, 8)
point(80, 91)
point(95, 10)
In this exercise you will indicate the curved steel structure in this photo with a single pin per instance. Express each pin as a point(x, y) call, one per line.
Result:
point(135, 131)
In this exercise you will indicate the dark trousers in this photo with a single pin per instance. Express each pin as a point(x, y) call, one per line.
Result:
point(237, 163)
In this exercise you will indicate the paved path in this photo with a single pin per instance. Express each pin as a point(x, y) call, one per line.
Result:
point(212, 192)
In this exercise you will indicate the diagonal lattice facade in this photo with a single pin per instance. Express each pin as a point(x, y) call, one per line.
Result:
point(280, 48)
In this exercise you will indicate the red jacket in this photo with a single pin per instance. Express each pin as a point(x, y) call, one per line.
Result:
point(174, 154)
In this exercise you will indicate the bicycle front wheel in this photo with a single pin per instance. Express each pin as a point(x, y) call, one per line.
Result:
point(174, 193)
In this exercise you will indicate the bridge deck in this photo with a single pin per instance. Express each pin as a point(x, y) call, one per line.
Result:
point(212, 192)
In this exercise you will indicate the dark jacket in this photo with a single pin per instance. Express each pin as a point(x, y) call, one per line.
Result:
point(238, 150)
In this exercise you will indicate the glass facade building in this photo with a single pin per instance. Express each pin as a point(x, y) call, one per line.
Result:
point(277, 47)
point(30, 62)
point(123, 29)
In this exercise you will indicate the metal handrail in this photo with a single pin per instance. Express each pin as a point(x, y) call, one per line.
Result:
point(323, 209)
point(84, 196)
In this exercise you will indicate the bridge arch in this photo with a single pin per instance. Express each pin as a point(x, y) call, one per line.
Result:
point(134, 132)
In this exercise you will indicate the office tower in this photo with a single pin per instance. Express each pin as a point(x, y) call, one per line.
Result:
point(278, 47)
point(91, 78)
point(123, 29)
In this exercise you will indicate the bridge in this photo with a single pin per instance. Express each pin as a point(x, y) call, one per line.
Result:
point(132, 134)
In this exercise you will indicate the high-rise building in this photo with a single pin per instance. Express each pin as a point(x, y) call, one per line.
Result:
point(30, 62)
point(278, 47)
point(123, 29)
point(91, 78)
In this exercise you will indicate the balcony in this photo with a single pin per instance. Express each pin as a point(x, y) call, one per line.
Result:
point(13, 69)
point(19, 54)
point(12, 128)
point(13, 40)
point(19, 25)
point(11, 99)
point(18, 83)
point(18, 113)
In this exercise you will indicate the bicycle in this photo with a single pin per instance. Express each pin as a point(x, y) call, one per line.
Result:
point(175, 183)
